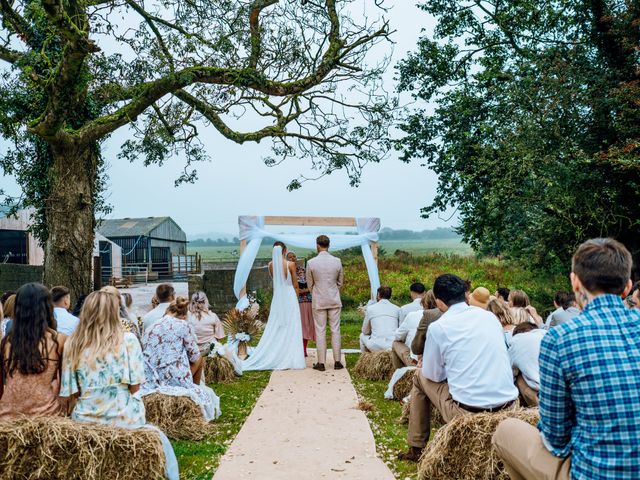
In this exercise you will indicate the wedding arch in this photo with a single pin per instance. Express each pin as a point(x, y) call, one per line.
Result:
point(252, 231)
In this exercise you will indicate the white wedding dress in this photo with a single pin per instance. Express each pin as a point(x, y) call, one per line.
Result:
point(280, 347)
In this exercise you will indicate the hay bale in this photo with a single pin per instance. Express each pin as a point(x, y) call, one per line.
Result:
point(180, 418)
point(218, 369)
point(60, 448)
point(403, 387)
point(462, 448)
point(406, 411)
point(374, 366)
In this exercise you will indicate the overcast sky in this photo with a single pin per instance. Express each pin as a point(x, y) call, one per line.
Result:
point(236, 182)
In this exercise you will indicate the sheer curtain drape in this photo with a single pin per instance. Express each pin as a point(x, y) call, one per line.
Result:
point(252, 230)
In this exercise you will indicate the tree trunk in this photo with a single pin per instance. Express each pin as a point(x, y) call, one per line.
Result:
point(70, 218)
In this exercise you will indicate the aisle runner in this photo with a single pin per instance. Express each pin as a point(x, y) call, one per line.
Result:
point(305, 426)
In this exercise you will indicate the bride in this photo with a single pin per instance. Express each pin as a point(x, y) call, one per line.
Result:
point(280, 347)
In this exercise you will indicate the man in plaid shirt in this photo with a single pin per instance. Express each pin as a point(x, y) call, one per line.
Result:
point(589, 382)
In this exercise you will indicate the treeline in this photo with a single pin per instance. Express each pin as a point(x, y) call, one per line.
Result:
point(385, 234)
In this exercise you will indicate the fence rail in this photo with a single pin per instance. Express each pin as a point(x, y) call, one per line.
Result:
point(178, 268)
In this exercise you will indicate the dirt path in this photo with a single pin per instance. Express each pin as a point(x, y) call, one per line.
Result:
point(305, 426)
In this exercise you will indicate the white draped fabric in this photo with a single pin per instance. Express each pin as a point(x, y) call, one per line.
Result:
point(252, 230)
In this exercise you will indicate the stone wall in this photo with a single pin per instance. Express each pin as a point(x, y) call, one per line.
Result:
point(217, 283)
point(13, 276)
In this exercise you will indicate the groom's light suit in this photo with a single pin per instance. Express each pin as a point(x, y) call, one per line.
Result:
point(325, 277)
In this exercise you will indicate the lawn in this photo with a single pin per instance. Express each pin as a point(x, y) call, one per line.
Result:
point(199, 460)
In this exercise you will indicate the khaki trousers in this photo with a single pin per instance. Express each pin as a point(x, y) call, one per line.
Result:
point(528, 394)
point(524, 455)
point(320, 319)
point(401, 355)
point(423, 394)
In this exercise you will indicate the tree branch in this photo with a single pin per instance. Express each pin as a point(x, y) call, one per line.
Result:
point(254, 25)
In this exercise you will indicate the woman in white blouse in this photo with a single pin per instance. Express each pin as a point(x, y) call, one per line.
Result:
point(208, 327)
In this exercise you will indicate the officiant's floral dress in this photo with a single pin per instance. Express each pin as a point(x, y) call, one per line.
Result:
point(306, 314)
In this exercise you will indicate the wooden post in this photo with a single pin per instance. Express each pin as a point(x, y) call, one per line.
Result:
point(243, 246)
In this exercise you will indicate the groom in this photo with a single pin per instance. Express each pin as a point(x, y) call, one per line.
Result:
point(324, 278)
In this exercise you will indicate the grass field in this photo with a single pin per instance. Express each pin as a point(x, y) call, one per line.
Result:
point(419, 247)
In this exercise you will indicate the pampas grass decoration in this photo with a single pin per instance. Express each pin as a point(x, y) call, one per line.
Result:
point(236, 321)
point(218, 369)
point(55, 447)
point(462, 448)
point(374, 366)
point(180, 418)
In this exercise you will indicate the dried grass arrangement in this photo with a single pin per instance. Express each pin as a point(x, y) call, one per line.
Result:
point(243, 326)
point(403, 387)
point(218, 369)
point(374, 366)
point(462, 448)
point(180, 418)
point(60, 448)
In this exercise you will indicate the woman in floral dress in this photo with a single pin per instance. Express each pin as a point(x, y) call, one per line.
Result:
point(172, 360)
point(103, 368)
point(304, 299)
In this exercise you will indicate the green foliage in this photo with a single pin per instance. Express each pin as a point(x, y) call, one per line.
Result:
point(535, 130)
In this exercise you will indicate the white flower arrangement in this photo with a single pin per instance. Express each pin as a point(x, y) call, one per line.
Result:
point(243, 337)
point(216, 349)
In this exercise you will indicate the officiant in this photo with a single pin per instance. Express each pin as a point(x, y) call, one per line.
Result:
point(304, 299)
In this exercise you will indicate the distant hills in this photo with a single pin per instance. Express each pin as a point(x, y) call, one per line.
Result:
point(222, 240)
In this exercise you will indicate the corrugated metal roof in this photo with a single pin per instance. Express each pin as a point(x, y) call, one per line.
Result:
point(130, 227)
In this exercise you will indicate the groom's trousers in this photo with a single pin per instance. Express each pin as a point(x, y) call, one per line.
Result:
point(320, 319)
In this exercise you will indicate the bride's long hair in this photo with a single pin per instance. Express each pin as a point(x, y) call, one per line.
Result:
point(281, 244)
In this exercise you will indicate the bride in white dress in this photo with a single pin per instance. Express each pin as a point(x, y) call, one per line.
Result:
point(280, 347)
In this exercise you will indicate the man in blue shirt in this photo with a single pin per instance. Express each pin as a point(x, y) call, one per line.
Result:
point(589, 382)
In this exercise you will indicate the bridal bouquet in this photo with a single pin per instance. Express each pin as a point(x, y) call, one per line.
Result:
point(243, 326)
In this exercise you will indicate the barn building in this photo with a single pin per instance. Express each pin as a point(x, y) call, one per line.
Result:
point(153, 241)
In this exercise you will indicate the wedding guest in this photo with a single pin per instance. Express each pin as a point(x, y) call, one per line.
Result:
point(206, 325)
point(30, 356)
point(465, 367)
point(429, 315)
point(172, 358)
point(503, 294)
point(520, 300)
point(480, 298)
point(61, 297)
point(505, 314)
point(380, 323)
point(416, 291)
point(401, 354)
point(568, 311)
point(558, 300)
point(524, 351)
point(127, 309)
point(589, 382)
point(633, 298)
point(8, 308)
point(103, 366)
point(305, 300)
point(165, 294)
point(128, 324)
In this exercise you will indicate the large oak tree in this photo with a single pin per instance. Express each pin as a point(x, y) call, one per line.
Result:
point(78, 70)
point(534, 122)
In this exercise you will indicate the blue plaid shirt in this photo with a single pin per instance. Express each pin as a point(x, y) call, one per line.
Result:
point(590, 391)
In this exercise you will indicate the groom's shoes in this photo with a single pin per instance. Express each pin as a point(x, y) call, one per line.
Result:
point(338, 366)
point(319, 367)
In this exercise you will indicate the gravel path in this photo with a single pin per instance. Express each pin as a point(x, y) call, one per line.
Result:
point(305, 425)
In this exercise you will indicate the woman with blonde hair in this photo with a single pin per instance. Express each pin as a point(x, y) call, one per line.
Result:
point(103, 368)
point(172, 360)
point(206, 324)
point(505, 314)
point(519, 303)
point(129, 324)
point(7, 317)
